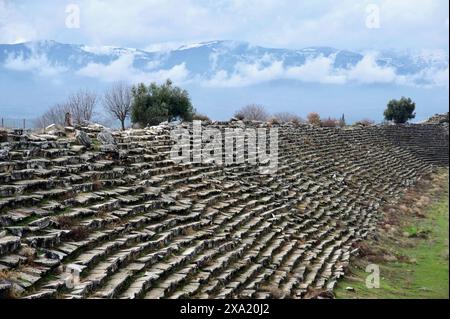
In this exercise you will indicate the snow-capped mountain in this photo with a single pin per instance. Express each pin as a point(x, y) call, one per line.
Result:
point(207, 68)
point(204, 60)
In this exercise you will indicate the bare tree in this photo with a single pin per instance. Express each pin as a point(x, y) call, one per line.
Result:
point(285, 117)
point(81, 105)
point(117, 101)
point(252, 112)
point(54, 115)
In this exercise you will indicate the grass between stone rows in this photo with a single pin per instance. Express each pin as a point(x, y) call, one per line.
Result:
point(411, 250)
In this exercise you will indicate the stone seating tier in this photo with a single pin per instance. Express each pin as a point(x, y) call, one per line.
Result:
point(135, 224)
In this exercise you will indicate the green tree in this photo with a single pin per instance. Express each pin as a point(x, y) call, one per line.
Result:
point(400, 111)
point(158, 103)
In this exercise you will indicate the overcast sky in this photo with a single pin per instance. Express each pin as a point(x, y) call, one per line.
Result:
point(349, 24)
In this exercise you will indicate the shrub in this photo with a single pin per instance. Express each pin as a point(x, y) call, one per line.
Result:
point(286, 117)
point(97, 185)
point(314, 119)
point(29, 253)
point(78, 234)
point(297, 120)
point(252, 112)
point(10, 292)
point(6, 274)
point(274, 121)
point(65, 222)
point(330, 122)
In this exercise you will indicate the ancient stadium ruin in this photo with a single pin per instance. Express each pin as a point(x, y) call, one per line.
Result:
point(118, 218)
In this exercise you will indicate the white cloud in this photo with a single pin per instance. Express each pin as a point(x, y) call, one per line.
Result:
point(367, 71)
point(13, 27)
point(36, 63)
point(428, 78)
point(439, 77)
point(321, 70)
point(246, 75)
point(122, 69)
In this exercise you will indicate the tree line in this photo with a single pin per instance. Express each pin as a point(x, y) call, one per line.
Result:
point(144, 105)
point(397, 111)
point(153, 104)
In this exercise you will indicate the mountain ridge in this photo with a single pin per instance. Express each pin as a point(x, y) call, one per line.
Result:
point(232, 52)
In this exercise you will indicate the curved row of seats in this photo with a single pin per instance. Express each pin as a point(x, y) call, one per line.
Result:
point(132, 223)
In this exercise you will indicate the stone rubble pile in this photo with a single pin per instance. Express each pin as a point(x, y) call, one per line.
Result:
point(125, 221)
point(438, 119)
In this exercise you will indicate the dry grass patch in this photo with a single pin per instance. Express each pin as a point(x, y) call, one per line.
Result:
point(29, 253)
point(78, 234)
point(65, 222)
point(6, 275)
point(189, 231)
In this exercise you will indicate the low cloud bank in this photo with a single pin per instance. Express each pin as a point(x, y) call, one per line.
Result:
point(36, 63)
point(123, 69)
point(320, 69)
